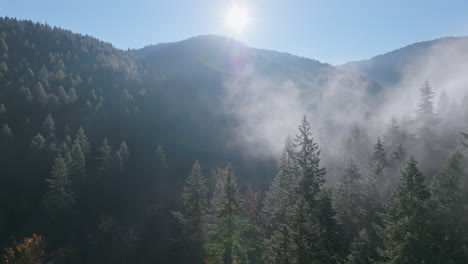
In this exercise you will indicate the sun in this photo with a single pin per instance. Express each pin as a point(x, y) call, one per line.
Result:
point(237, 18)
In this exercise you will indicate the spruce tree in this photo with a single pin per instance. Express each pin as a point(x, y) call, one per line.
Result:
point(312, 216)
point(193, 216)
point(82, 139)
point(230, 237)
point(351, 203)
point(281, 192)
point(48, 128)
point(408, 228)
point(59, 197)
point(77, 164)
point(378, 175)
point(38, 142)
point(104, 156)
point(449, 197)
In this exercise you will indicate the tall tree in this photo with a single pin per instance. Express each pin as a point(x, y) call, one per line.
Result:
point(59, 197)
point(77, 164)
point(351, 203)
point(281, 192)
point(82, 139)
point(48, 128)
point(312, 217)
point(408, 232)
point(449, 197)
point(193, 216)
point(230, 237)
point(104, 156)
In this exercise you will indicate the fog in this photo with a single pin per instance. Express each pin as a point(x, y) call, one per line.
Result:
point(270, 110)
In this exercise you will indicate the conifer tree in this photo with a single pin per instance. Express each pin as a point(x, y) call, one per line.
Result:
point(123, 155)
point(59, 197)
point(281, 192)
point(230, 237)
point(48, 128)
point(104, 156)
point(449, 197)
point(40, 94)
point(312, 217)
point(351, 203)
point(38, 142)
point(6, 131)
point(408, 229)
point(82, 139)
point(360, 250)
point(77, 164)
point(378, 175)
point(193, 216)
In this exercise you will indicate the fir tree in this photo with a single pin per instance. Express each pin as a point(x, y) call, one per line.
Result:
point(193, 216)
point(408, 232)
point(81, 138)
point(281, 192)
point(38, 142)
point(59, 197)
point(77, 164)
point(449, 198)
point(123, 155)
point(48, 128)
point(230, 237)
point(104, 156)
point(351, 203)
point(360, 250)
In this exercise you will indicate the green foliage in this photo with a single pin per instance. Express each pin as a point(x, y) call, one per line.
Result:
point(450, 191)
point(408, 232)
point(48, 128)
point(38, 142)
point(104, 156)
point(59, 197)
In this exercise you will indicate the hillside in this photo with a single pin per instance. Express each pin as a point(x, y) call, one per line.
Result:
point(419, 61)
point(129, 110)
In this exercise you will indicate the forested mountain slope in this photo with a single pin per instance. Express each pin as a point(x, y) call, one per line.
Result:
point(60, 90)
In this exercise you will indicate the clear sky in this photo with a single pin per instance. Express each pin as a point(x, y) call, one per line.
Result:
point(333, 31)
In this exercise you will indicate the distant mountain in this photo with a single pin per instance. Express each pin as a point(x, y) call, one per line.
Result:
point(420, 60)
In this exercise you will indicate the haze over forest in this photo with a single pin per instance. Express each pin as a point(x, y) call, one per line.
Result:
point(207, 150)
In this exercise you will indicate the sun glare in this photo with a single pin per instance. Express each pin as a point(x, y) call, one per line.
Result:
point(237, 18)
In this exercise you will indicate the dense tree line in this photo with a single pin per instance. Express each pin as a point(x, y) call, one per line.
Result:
point(383, 210)
point(92, 164)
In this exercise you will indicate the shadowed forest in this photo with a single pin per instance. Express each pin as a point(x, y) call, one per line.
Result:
point(208, 151)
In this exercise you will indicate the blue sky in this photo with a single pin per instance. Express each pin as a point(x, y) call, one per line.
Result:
point(333, 31)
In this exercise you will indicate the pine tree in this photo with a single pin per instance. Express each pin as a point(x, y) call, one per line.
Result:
point(281, 192)
point(104, 156)
point(449, 198)
point(427, 121)
point(312, 217)
point(378, 176)
point(59, 197)
point(408, 230)
point(77, 164)
point(38, 142)
point(360, 250)
point(81, 138)
point(40, 94)
point(351, 203)
point(48, 128)
point(123, 155)
point(357, 146)
point(5, 132)
point(230, 237)
point(193, 216)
